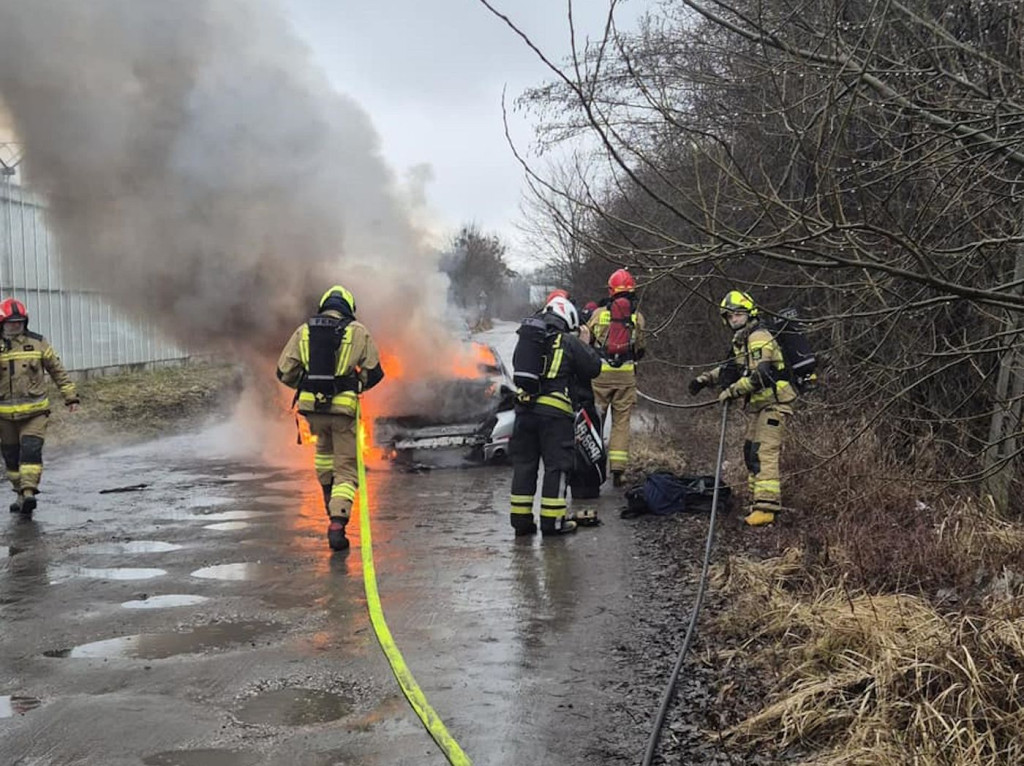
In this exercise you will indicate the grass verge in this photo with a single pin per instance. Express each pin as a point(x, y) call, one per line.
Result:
point(135, 406)
point(884, 617)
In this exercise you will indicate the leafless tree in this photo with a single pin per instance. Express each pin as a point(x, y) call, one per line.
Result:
point(861, 159)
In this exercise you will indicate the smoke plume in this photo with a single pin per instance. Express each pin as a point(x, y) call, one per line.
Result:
point(202, 172)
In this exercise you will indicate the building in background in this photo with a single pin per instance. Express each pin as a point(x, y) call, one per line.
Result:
point(91, 336)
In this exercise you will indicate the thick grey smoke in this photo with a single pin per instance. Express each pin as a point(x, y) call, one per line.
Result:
point(201, 170)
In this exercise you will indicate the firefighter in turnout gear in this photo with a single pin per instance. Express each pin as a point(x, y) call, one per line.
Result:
point(756, 372)
point(617, 331)
point(555, 359)
point(26, 358)
point(330, 360)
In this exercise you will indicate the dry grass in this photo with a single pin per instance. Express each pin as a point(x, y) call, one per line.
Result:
point(892, 625)
point(862, 515)
point(884, 678)
point(686, 444)
point(145, 404)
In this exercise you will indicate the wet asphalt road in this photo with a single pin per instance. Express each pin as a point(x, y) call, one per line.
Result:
point(202, 619)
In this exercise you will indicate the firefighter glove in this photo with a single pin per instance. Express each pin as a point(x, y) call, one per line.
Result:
point(696, 385)
point(726, 395)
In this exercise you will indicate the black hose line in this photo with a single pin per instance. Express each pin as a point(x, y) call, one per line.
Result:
point(666, 697)
point(674, 405)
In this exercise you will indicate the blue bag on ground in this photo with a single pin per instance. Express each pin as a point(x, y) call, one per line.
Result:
point(662, 493)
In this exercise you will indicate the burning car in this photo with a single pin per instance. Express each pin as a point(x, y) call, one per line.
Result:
point(461, 420)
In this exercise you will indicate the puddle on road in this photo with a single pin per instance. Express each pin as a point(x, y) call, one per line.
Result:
point(209, 757)
point(165, 601)
point(227, 526)
point(245, 570)
point(294, 707)
point(157, 646)
point(131, 546)
point(12, 705)
point(63, 574)
point(229, 515)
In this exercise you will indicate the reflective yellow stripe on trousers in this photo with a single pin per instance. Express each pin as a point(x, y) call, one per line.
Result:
point(522, 504)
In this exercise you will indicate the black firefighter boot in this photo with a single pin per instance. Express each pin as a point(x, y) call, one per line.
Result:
point(28, 501)
point(16, 505)
point(336, 534)
point(523, 525)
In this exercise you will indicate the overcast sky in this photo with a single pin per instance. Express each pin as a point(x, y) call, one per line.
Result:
point(431, 72)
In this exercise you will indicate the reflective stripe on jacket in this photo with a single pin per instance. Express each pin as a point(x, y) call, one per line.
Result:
point(356, 354)
point(25, 361)
point(764, 380)
point(571, 362)
point(344, 400)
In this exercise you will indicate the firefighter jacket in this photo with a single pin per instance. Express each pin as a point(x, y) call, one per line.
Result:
point(756, 370)
point(25, 361)
point(599, 324)
point(356, 368)
point(571, 363)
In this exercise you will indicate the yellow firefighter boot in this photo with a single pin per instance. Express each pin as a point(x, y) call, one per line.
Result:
point(759, 518)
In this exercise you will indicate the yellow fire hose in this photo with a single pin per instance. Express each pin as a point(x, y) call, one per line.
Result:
point(430, 719)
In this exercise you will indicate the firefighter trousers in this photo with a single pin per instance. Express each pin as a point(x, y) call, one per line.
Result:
point(21, 442)
point(335, 460)
point(537, 437)
point(761, 452)
point(616, 390)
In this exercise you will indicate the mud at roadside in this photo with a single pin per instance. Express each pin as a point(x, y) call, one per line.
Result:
point(716, 689)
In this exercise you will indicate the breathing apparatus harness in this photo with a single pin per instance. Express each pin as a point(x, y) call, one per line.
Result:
point(326, 334)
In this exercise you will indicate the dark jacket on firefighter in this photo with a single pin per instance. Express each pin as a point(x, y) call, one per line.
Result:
point(572, 365)
point(544, 431)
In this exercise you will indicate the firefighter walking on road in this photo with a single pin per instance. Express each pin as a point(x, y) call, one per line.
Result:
point(617, 330)
point(26, 358)
point(330, 360)
point(549, 362)
point(757, 373)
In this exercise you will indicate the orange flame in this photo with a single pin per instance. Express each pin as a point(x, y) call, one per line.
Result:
point(305, 435)
point(470, 360)
point(473, 361)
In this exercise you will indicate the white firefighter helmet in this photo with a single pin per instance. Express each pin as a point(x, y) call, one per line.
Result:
point(563, 308)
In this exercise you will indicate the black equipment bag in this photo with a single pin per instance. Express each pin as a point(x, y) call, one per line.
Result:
point(663, 493)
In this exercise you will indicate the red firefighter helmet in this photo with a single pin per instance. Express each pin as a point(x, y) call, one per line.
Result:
point(621, 281)
point(11, 308)
point(556, 293)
